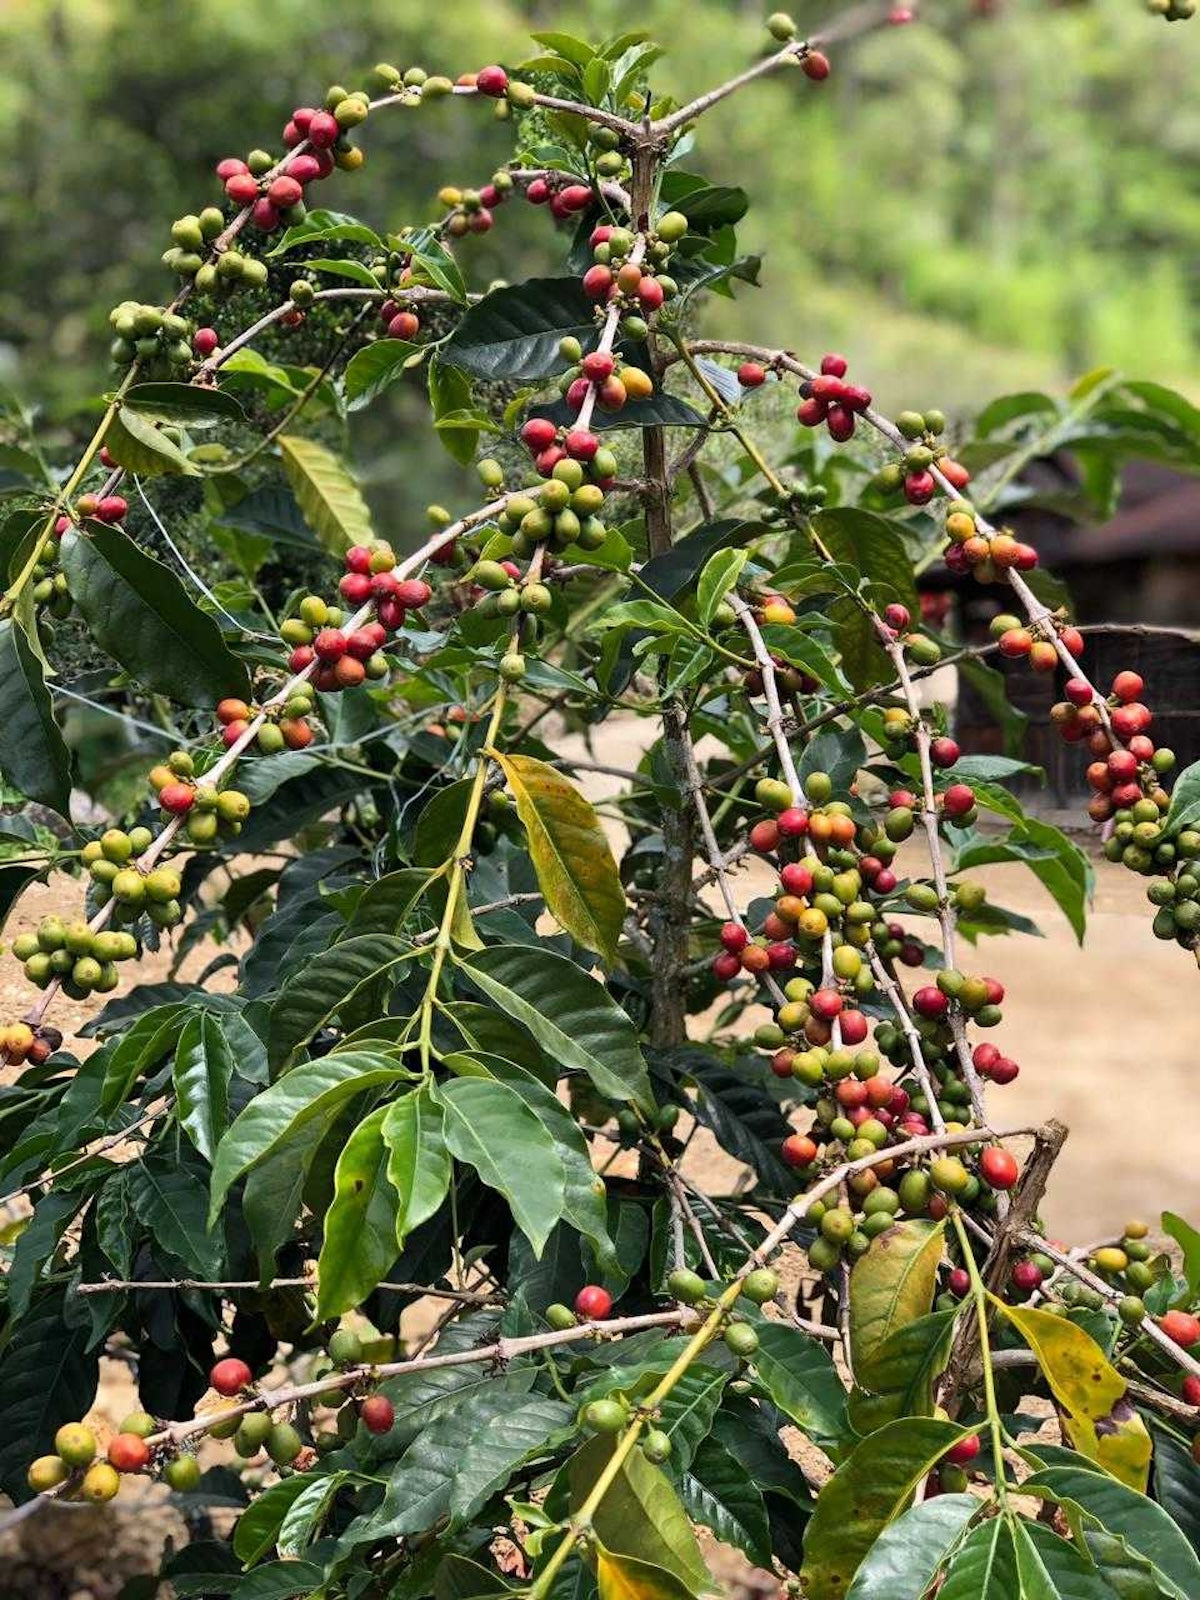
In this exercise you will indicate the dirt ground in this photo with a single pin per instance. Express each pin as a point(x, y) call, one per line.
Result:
point(1082, 1023)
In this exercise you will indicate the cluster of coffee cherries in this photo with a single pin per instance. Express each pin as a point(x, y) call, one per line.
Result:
point(829, 399)
point(84, 961)
point(284, 726)
point(878, 1195)
point(812, 62)
point(473, 210)
point(1034, 642)
point(207, 813)
point(985, 555)
point(50, 587)
point(923, 456)
point(614, 380)
point(150, 334)
point(21, 1041)
point(639, 288)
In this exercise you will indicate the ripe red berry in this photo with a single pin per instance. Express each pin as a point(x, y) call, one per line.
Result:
point(750, 375)
point(963, 1451)
point(1078, 691)
point(998, 1167)
point(575, 197)
point(1128, 686)
point(726, 966)
point(230, 1376)
point(1181, 1327)
point(826, 1004)
point(755, 958)
point(781, 956)
point(897, 617)
point(232, 732)
point(598, 365)
point(764, 836)
point(232, 711)
point(958, 799)
point(112, 508)
point(539, 433)
point(404, 325)
point(792, 822)
point(834, 365)
point(919, 488)
point(854, 1027)
point(796, 878)
point(322, 130)
point(944, 752)
point(297, 733)
point(361, 645)
point(798, 1150)
point(413, 593)
point(812, 411)
point(205, 341)
point(985, 1057)
point(242, 188)
point(355, 587)
point(954, 473)
point(538, 192)
point(301, 657)
point(128, 1452)
point(377, 1413)
point(1004, 1071)
point(1127, 720)
point(958, 1281)
point(330, 644)
point(177, 798)
point(1027, 1276)
point(734, 937)
point(593, 1302)
point(304, 167)
point(1191, 1390)
point(492, 81)
point(650, 293)
point(929, 1001)
point(814, 65)
point(597, 281)
point(284, 191)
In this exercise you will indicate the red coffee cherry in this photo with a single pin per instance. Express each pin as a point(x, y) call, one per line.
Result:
point(304, 167)
point(792, 822)
point(492, 81)
point(355, 587)
point(726, 966)
point(750, 375)
point(112, 508)
point(959, 1281)
point(958, 799)
point(1181, 1327)
point(330, 644)
point(242, 188)
point(322, 130)
point(755, 958)
point(929, 1001)
point(205, 341)
point(230, 1376)
point(404, 325)
point(232, 711)
point(1004, 1071)
point(734, 937)
point(1027, 1276)
point(413, 593)
point(826, 1004)
point(128, 1452)
point(897, 617)
point(944, 752)
point(834, 365)
point(377, 1413)
point(1128, 686)
point(593, 1303)
point(764, 836)
point(798, 1150)
point(998, 1167)
point(796, 878)
point(231, 167)
point(539, 433)
point(919, 488)
point(1191, 1390)
point(177, 798)
point(965, 1450)
point(854, 1027)
point(814, 65)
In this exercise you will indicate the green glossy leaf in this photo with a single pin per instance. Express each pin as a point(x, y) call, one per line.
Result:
point(720, 574)
point(570, 1015)
point(418, 1162)
point(490, 1127)
point(798, 1373)
point(323, 224)
point(985, 1566)
point(147, 1041)
point(309, 1092)
point(892, 1284)
point(323, 985)
point(187, 404)
point(868, 1491)
point(330, 499)
point(903, 1373)
point(514, 332)
point(640, 1516)
point(33, 754)
point(1059, 865)
point(384, 905)
point(908, 1554)
point(376, 367)
point(571, 855)
point(305, 1516)
point(47, 1377)
point(139, 612)
point(1188, 1240)
point(499, 1446)
point(721, 1494)
point(138, 444)
point(359, 1238)
point(171, 1201)
point(1048, 1567)
point(1123, 1512)
point(258, 1527)
point(1176, 1483)
point(203, 1068)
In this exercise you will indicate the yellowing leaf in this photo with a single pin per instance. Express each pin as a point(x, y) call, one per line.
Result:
point(328, 496)
point(641, 1519)
point(891, 1285)
point(1100, 1423)
point(574, 864)
point(625, 1578)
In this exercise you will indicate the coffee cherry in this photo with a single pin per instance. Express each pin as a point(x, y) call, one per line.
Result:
point(139, 1423)
point(741, 1339)
point(998, 1167)
point(686, 1286)
point(128, 1452)
point(814, 65)
point(963, 1450)
point(345, 1348)
point(1027, 1276)
point(593, 1303)
point(75, 1444)
point(284, 1444)
point(47, 1472)
point(378, 1413)
point(605, 1416)
point(760, 1286)
point(561, 1317)
point(177, 798)
point(656, 1446)
point(230, 1376)
point(1191, 1390)
point(798, 1150)
point(1179, 1326)
point(101, 1483)
point(182, 1474)
point(750, 375)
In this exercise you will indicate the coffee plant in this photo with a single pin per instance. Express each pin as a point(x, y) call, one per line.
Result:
point(340, 1200)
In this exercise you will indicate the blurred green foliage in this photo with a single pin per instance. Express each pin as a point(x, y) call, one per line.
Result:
point(969, 205)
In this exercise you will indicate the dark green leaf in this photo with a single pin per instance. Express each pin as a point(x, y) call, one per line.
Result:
point(513, 333)
point(490, 1127)
point(720, 1493)
point(139, 612)
point(171, 1200)
point(375, 368)
point(907, 1555)
point(203, 1068)
point(47, 1377)
point(33, 755)
point(798, 1373)
point(359, 1241)
point(325, 984)
point(418, 1162)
